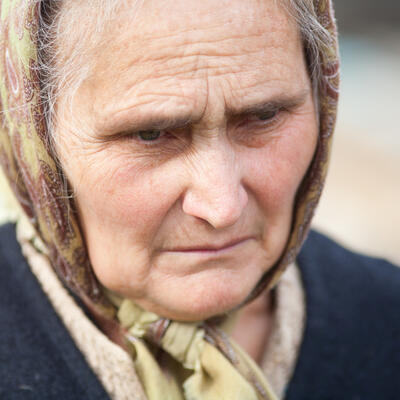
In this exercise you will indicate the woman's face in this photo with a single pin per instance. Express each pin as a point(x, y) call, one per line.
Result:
point(185, 147)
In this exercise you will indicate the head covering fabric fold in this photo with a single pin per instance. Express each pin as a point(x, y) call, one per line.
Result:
point(26, 157)
point(38, 184)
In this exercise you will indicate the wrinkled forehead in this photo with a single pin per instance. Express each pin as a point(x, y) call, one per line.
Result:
point(181, 52)
point(157, 28)
point(168, 27)
point(168, 17)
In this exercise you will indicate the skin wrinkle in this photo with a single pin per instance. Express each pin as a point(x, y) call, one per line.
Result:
point(211, 27)
point(139, 65)
point(199, 43)
point(187, 60)
point(102, 128)
point(189, 79)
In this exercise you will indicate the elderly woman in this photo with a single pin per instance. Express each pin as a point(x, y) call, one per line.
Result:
point(167, 156)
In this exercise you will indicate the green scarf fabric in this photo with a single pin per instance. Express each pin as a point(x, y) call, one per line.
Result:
point(198, 361)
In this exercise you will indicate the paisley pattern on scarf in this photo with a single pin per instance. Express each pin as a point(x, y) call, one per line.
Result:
point(39, 186)
point(26, 158)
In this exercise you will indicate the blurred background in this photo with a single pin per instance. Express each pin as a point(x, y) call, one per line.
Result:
point(361, 204)
point(360, 207)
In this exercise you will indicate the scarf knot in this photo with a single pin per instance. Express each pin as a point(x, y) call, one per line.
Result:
point(205, 364)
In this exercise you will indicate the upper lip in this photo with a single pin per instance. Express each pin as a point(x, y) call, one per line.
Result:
point(209, 246)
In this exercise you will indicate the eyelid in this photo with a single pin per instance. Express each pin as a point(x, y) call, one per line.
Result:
point(257, 117)
point(276, 112)
point(169, 142)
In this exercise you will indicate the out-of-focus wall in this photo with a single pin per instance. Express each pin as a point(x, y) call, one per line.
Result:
point(367, 16)
point(361, 203)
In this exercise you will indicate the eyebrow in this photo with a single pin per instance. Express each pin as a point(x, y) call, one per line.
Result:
point(145, 122)
point(156, 121)
point(284, 101)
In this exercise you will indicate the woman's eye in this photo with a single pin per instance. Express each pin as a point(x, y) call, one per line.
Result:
point(268, 115)
point(148, 136)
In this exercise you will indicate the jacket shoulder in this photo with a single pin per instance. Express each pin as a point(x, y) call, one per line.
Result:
point(351, 343)
point(38, 358)
point(325, 263)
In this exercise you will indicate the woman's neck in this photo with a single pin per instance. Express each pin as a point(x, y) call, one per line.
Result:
point(253, 326)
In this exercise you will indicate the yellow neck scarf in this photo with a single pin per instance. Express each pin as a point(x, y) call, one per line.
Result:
point(189, 361)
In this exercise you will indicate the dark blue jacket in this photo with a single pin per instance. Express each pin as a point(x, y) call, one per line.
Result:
point(350, 351)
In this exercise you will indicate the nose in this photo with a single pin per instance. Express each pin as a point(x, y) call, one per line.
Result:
point(215, 193)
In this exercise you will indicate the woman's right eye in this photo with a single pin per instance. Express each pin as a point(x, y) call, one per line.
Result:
point(149, 136)
point(159, 140)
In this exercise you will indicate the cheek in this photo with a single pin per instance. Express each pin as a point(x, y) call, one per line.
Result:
point(122, 195)
point(121, 211)
point(276, 171)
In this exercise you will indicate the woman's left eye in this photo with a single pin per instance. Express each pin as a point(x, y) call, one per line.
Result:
point(256, 129)
point(262, 121)
point(268, 115)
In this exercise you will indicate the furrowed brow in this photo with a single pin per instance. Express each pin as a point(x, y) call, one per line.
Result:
point(286, 101)
point(145, 122)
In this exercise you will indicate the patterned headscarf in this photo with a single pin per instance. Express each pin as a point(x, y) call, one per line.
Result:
point(37, 182)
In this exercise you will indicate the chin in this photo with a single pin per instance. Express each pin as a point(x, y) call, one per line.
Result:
point(200, 301)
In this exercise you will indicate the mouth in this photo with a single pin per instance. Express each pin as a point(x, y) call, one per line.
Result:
point(210, 248)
